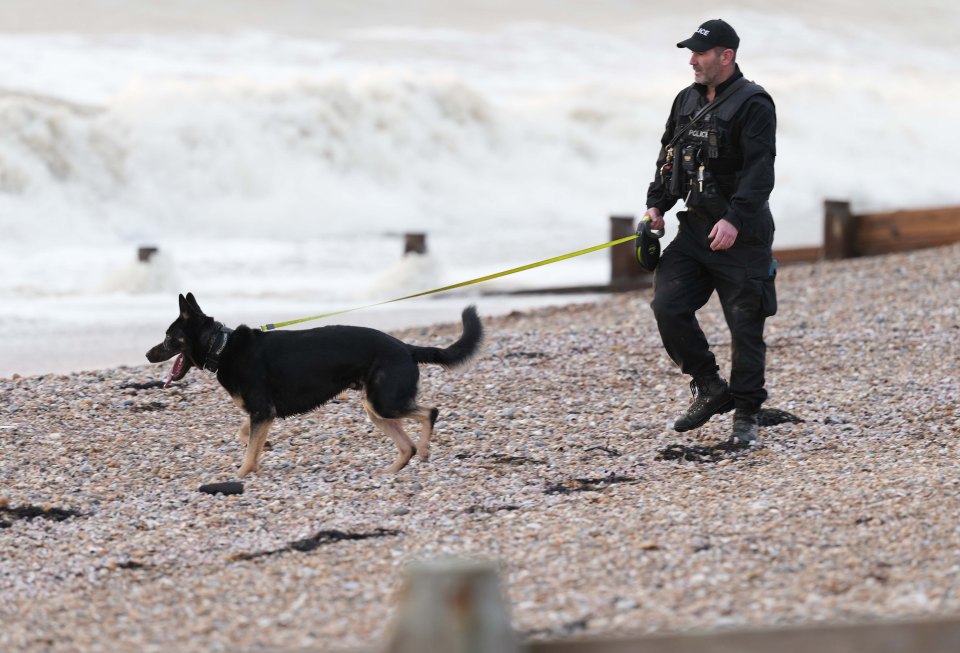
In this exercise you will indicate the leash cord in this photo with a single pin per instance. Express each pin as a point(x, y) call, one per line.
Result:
point(530, 266)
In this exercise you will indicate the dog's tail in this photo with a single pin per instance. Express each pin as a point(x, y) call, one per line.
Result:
point(459, 352)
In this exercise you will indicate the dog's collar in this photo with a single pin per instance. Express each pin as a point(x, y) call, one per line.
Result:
point(218, 343)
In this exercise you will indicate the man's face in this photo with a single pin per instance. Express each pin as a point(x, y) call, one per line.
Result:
point(707, 66)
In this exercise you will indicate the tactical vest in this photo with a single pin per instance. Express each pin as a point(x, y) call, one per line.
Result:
point(706, 158)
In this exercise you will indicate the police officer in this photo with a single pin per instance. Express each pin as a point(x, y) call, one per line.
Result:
point(717, 155)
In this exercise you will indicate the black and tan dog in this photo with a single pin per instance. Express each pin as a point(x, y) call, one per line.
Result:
point(284, 373)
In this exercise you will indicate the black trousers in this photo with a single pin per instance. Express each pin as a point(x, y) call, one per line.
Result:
point(743, 277)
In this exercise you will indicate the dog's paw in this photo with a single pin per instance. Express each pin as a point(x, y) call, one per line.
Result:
point(245, 470)
point(396, 466)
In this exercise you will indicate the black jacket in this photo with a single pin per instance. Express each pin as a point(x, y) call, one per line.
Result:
point(748, 151)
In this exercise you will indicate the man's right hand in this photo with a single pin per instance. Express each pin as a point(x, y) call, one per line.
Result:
point(656, 218)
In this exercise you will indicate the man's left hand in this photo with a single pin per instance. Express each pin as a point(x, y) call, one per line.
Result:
point(723, 235)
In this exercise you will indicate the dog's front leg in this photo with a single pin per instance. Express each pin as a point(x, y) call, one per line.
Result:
point(258, 437)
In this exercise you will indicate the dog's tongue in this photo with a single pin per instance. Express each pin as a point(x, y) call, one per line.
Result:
point(176, 371)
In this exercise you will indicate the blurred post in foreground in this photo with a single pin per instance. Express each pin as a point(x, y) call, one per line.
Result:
point(452, 606)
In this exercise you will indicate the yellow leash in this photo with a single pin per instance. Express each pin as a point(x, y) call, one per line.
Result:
point(555, 259)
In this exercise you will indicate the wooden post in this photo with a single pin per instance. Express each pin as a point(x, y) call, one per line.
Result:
point(145, 253)
point(624, 268)
point(452, 606)
point(415, 243)
point(839, 230)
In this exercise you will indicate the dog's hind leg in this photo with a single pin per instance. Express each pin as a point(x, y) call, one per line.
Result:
point(258, 437)
point(394, 430)
point(243, 434)
point(427, 418)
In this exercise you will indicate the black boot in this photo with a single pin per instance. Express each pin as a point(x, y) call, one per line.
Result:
point(711, 396)
point(746, 427)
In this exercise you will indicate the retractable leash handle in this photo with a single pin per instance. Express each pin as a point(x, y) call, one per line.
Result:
point(648, 244)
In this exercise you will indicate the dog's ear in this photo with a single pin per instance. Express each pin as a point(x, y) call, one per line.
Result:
point(184, 307)
point(192, 301)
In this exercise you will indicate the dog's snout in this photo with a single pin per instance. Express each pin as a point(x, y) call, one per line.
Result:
point(159, 353)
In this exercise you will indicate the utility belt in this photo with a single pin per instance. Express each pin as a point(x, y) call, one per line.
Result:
point(690, 179)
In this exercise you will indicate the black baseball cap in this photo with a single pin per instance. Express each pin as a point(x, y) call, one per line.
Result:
point(711, 34)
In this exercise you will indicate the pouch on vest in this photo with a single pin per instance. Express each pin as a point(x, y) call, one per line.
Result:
point(711, 199)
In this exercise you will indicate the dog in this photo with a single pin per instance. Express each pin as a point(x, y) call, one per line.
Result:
point(284, 373)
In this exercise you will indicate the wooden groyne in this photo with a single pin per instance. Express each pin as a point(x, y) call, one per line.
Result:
point(845, 235)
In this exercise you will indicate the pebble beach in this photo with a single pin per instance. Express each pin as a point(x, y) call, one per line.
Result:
point(552, 456)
